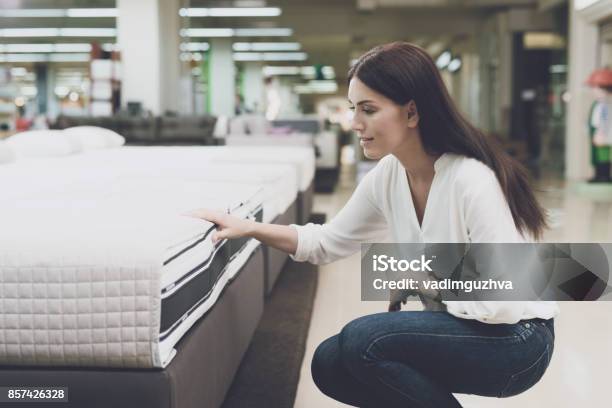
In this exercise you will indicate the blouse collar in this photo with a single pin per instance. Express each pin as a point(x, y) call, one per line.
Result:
point(441, 162)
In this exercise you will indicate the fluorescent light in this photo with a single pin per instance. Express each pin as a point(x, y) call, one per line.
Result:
point(285, 56)
point(324, 84)
point(244, 46)
point(194, 47)
point(443, 60)
point(236, 32)
point(27, 48)
point(72, 12)
point(263, 32)
point(248, 56)
point(322, 87)
point(92, 12)
point(245, 12)
point(207, 32)
point(88, 32)
point(29, 32)
point(58, 32)
point(267, 46)
point(231, 12)
point(69, 57)
point(274, 70)
point(74, 57)
point(68, 47)
point(23, 57)
point(32, 13)
point(454, 65)
point(46, 48)
point(270, 56)
point(306, 71)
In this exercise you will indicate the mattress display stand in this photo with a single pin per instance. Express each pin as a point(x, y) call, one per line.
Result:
point(275, 259)
point(199, 375)
point(305, 201)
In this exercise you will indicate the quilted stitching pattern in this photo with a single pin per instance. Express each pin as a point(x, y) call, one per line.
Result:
point(79, 316)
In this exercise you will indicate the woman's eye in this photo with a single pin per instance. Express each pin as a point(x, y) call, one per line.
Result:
point(368, 111)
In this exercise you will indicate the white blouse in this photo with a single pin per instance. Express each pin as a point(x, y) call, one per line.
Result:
point(465, 204)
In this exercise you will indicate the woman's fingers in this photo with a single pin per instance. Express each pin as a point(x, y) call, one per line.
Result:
point(394, 306)
point(219, 235)
point(227, 227)
point(205, 214)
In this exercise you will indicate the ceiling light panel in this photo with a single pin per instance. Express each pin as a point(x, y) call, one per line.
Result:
point(231, 12)
point(54, 13)
point(267, 46)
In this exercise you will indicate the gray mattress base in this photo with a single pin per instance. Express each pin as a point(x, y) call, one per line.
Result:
point(200, 374)
point(305, 201)
point(273, 258)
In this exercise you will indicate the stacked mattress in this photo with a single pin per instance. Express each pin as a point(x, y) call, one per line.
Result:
point(98, 267)
point(112, 275)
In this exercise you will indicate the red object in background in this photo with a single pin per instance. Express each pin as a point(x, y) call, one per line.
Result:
point(600, 78)
point(22, 124)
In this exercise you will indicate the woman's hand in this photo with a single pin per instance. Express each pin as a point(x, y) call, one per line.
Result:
point(395, 306)
point(282, 237)
point(228, 226)
point(397, 297)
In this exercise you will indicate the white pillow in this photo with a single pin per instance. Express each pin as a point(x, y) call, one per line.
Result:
point(42, 143)
point(7, 154)
point(93, 137)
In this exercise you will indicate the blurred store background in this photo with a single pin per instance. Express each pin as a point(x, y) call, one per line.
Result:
point(205, 72)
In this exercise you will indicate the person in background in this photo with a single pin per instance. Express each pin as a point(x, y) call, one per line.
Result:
point(600, 124)
point(21, 122)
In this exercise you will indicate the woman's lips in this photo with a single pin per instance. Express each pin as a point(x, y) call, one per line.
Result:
point(364, 141)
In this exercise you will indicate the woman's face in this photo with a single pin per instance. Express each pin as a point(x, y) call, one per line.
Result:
point(382, 125)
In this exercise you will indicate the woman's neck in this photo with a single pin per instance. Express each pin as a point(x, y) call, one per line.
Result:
point(418, 164)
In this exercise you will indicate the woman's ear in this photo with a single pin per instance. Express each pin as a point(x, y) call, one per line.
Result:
point(412, 114)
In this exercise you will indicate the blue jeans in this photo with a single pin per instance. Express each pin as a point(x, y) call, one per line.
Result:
point(418, 359)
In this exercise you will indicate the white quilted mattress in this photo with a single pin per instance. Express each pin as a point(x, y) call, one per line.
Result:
point(85, 272)
point(279, 181)
point(301, 158)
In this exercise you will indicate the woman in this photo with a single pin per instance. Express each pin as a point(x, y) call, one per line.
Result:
point(439, 180)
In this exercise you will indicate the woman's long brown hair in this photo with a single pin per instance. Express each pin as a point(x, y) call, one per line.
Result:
point(404, 72)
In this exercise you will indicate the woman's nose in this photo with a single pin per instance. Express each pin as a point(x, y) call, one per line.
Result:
point(357, 125)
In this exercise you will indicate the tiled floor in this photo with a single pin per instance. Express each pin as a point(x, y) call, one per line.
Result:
point(578, 375)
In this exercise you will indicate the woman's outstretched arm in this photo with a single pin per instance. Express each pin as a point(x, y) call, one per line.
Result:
point(282, 237)
point(360, 220)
